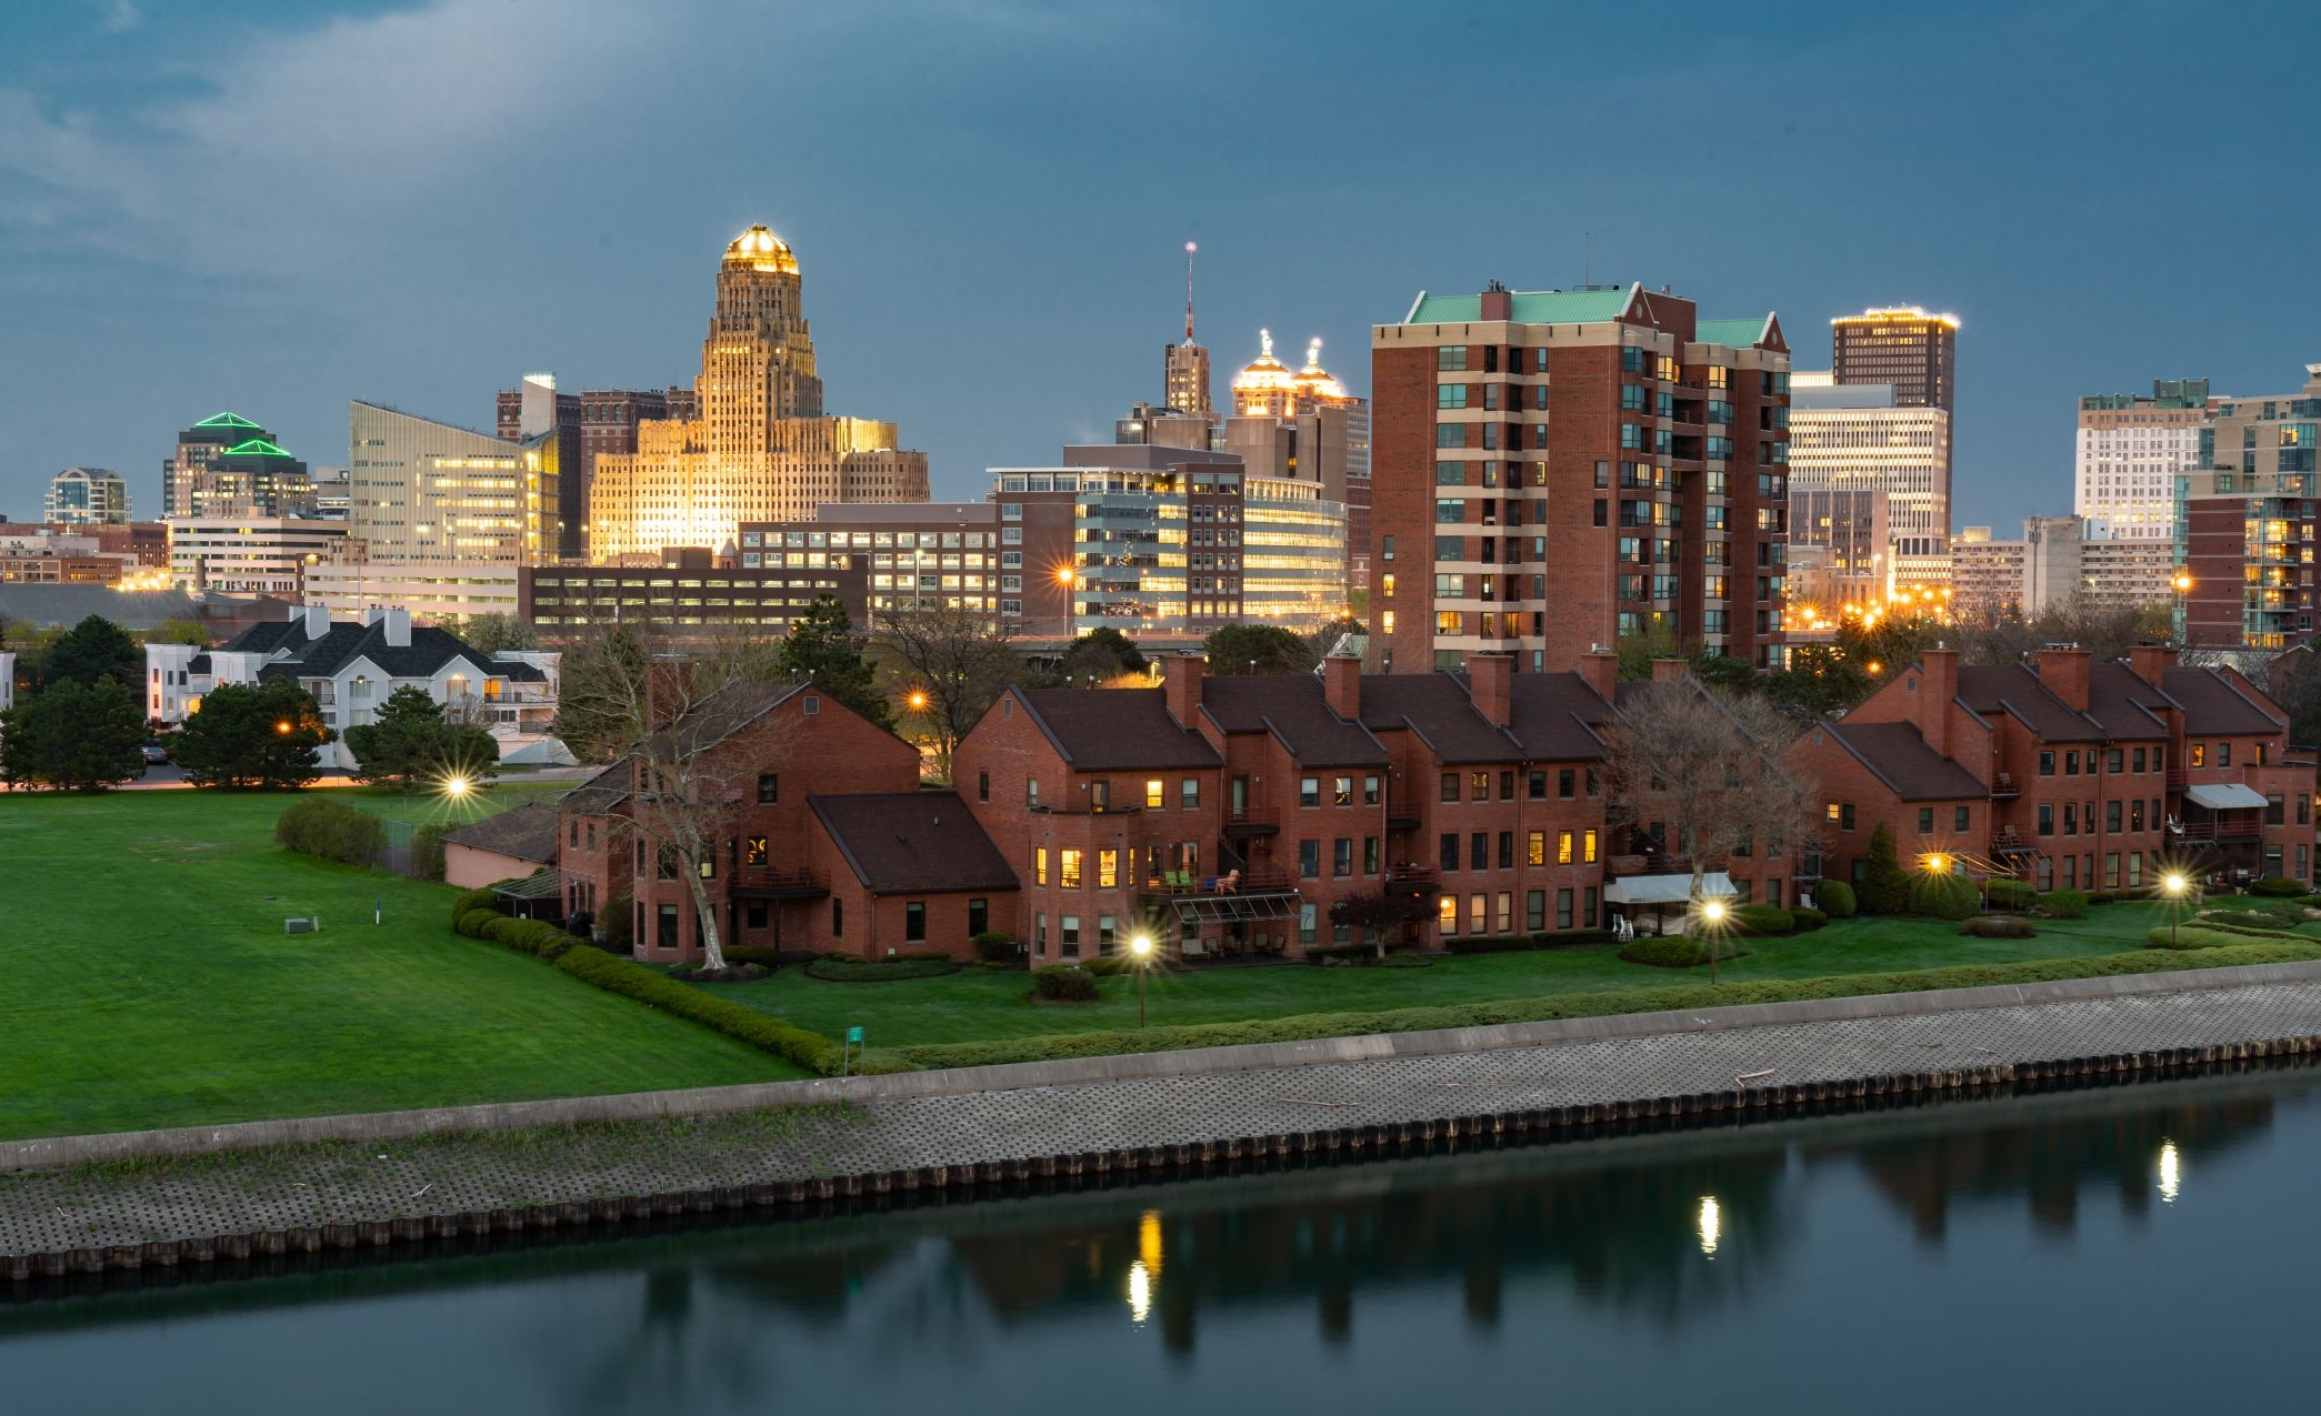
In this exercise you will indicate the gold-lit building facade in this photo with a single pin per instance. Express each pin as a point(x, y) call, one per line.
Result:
point(759, 447)
point(1303, 426)
point(420, 490)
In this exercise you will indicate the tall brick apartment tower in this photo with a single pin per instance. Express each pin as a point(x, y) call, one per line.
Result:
point(1553, 469)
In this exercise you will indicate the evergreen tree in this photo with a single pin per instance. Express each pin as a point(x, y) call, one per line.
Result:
point(1886, 885)
point(179, 631)
point(490, 633)
point(1257, 649)
point(73, 737)
point(410, 739)
point(824, 647)
point(1102, 655)
point(253, 735)
point(94, 650)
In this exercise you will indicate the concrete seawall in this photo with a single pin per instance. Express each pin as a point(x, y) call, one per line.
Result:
point(401, 1177)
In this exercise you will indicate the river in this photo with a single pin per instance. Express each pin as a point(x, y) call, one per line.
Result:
point(2136, 1247)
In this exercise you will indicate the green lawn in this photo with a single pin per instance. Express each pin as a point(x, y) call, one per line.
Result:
point(145, 981)
point(975, 1005)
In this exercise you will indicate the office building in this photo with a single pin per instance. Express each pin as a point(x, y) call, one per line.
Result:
point(2058, 561)
point(2129, 451)
point(690, 590)
point(429, 491)
point(534, 410)
point(197, 448)
point(1849, 439)
point(760, 448)
point(1012, 562)
point(86, 496)
point(262, 555)
point(2245, 535)
point(1306, 426)
point(254, 477)
point(1904, 346)
point(1185, 367)
point(1661, 498)
point(434, 592)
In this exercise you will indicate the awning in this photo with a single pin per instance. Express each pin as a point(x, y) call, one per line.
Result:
point(2225, 796)
point(1667, 889)
point(1234, 909)
point(545, 885)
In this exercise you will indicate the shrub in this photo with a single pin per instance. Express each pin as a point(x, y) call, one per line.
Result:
point(1675, 951)
point(427, 850)
point(1764, 920)
point(1061, 983)
point(1885, 884)
point(758, 954)
point(331, 831)
point(2063, 904)
point(1514, 943)
point(2248, 919)
point(477, 924)
point(1834, 898)
point(2278, 886)
point(1599, 1003)
point(1104, 966)
point(2005, 894)
point(2311, 902)
point(870, 971)
point(470, 901)
point(1808, 918)
point(1945, 897)
point(810, 1050)
point(1997, 927)
point(2200, 936)
point(2243, 930)
point(993, 947)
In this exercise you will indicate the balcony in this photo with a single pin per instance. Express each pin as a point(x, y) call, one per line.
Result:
point(1179, 885)
point(766, 882)
point(2004, 786)
point(1418, 882)
point(1252, 821)
point(1402, 814)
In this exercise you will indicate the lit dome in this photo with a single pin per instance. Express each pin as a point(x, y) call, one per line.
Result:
point(760, 249)
point(1265, 374)
point(1316, 384)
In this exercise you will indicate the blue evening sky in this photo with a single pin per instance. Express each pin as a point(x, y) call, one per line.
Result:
point(275, 205)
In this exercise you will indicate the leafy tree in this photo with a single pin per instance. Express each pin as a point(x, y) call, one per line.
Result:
point(1375, 916)
point(1820, 681)
point(824, 649)
point(1657, 640)
point(73, 737)
point(490, 633)
point(1257, 649)
point(179, 631)
point(1102, 655)
point(411, 738)
point(593, 715)
point(1885, 885)
point(957, 659)
point(94, 650)
point(253, 735)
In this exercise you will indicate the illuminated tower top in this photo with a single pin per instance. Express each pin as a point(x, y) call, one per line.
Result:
point(1185, 367)
point(757, 364)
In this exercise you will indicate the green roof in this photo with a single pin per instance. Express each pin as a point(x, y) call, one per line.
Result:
point(1734, 334)
point(225, 420)
point(256, 446)
point(1525, 307)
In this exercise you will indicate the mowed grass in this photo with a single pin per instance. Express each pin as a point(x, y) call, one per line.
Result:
point(975, 1005)
point(145, 981)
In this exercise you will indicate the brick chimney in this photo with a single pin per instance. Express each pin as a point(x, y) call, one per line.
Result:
point(2063, 669)
point(1497, 303)
point(2150, 661)
point(1600, 669)
point(1491, 682)
point(1181, 682)
point(1670, 670)
point(1937, 685)
point(1342, 685)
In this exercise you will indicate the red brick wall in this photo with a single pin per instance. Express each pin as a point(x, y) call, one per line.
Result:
point(1402, 421)
point(1584, 421)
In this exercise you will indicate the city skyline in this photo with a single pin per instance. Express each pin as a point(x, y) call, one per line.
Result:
point(1033, 322)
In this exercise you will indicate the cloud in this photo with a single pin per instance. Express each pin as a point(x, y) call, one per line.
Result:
point(121, 17)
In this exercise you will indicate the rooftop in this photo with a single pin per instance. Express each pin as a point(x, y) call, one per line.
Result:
point(900, 843)
point(526, 832)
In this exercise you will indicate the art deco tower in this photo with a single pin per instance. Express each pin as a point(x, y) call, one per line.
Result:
point(760, 447)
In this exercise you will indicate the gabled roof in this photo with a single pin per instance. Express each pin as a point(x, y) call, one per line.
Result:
point(600, 793)
point(899, 843)
point(1899, 757)
point(2216, 706)
point(526, 832)
point(2013, 688)
point(2128, 707)
point(1737, 334)
point(1558, 717)
point(1294, 708)
point(727, 711)
point(428, 653)
point(266, 636)
point(1115, 729)
point(1527, 306)
point(1437, 708)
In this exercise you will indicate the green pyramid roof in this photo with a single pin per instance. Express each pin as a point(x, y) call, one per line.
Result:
point(258, 446)
point(225, 420)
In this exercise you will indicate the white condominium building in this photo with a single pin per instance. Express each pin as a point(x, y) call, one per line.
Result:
point(2129, 451)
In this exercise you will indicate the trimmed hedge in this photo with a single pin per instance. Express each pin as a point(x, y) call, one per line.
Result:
point(1518, 943)
point(331, 830)
point(1602, 1003)
point(1062, 983)
point(759, 954)
point(2251, 919)
point(1104, 966)
point(2195, 936)
point(2063, 904)
point(1675, 951)
point(788, 1041)
point(470, 901)
point(2243, 930)
point(529, 936)
point(2005, 894)
point(1998, 927)
point(1944, 897)
point(876, 971)
point(1808, 918)
point(1835, 898)
point(1764, 920)
point(994, 947)
point(427, 850)
point(2278, 886)
point(477, 924)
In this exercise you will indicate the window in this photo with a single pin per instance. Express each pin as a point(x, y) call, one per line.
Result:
point(2223, 755)
point(1958, 818)
point(1342, 791)
point(837, 919)
point(769, 788)
point(1447, 914)
point(2071, 764)
point(1535, 849)
point(1535, 785)
point(756, 850)
point(978, 917)
point(2046, 764)
point(1189, 793)
point(1479, 851)
point(915, 921)
point(2139, 759)
point(2200, 754)
point(1563, 909)
point(1107, 870)
point(1450, 851)
point(1155, 793)
point(2115, 760)
point(1563, 848)
point(1506, 912)
point(2046, 818)
point(1563, 784)
point(1068, 869)
point(1310, 859)
point(1478, 786)
point(666, 937)
point(1309, 791)
point(2071, 818)
point(1099, 796)
point(1039, 865)
point(2112, 815)
point(1068, 936)
point(1588, 847)
point(1031, 792)
point(983, 786)
point(1371, 787)
point(1506, 850)
point(1450, 786)
point(1342, 856)
point(1369, 855)
point(2273, 810)
point(1476, 919)
point(1506, 786)
point(1926, 821)
point(1106, 928)
point(1588, 903)
point(1040, 934)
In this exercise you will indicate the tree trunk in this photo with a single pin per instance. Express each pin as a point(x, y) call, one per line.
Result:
point(712, 951)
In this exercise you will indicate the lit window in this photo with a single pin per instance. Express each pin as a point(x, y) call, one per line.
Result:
point(1068, 872)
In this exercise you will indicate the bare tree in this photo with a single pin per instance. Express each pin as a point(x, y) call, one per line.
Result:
point(1703, 768)
point(947, 666)
point(667, 708)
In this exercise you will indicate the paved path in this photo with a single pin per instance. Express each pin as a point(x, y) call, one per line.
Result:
point(353, 1183)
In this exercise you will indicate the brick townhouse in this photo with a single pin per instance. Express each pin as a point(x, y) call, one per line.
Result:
point(2066, 773)
point(1228, 815)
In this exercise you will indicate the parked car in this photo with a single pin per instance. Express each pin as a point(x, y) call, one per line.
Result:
point(155, 754)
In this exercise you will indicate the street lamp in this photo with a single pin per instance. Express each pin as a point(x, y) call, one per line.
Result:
point(1712, 915)
point(457, 786)
point(2175, 883)
point(917, 700)
point(1141, 946)
point(283, 727)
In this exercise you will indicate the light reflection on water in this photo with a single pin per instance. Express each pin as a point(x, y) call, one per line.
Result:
point(1834, 1264)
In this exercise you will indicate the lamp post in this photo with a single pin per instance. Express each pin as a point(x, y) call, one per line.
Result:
point(1141, 946)
point(2174, 882)
point(1712, 914)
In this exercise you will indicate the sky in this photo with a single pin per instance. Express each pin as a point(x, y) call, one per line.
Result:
point(273, 206)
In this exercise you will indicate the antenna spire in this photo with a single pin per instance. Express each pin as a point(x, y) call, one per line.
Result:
point(1190, 248)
